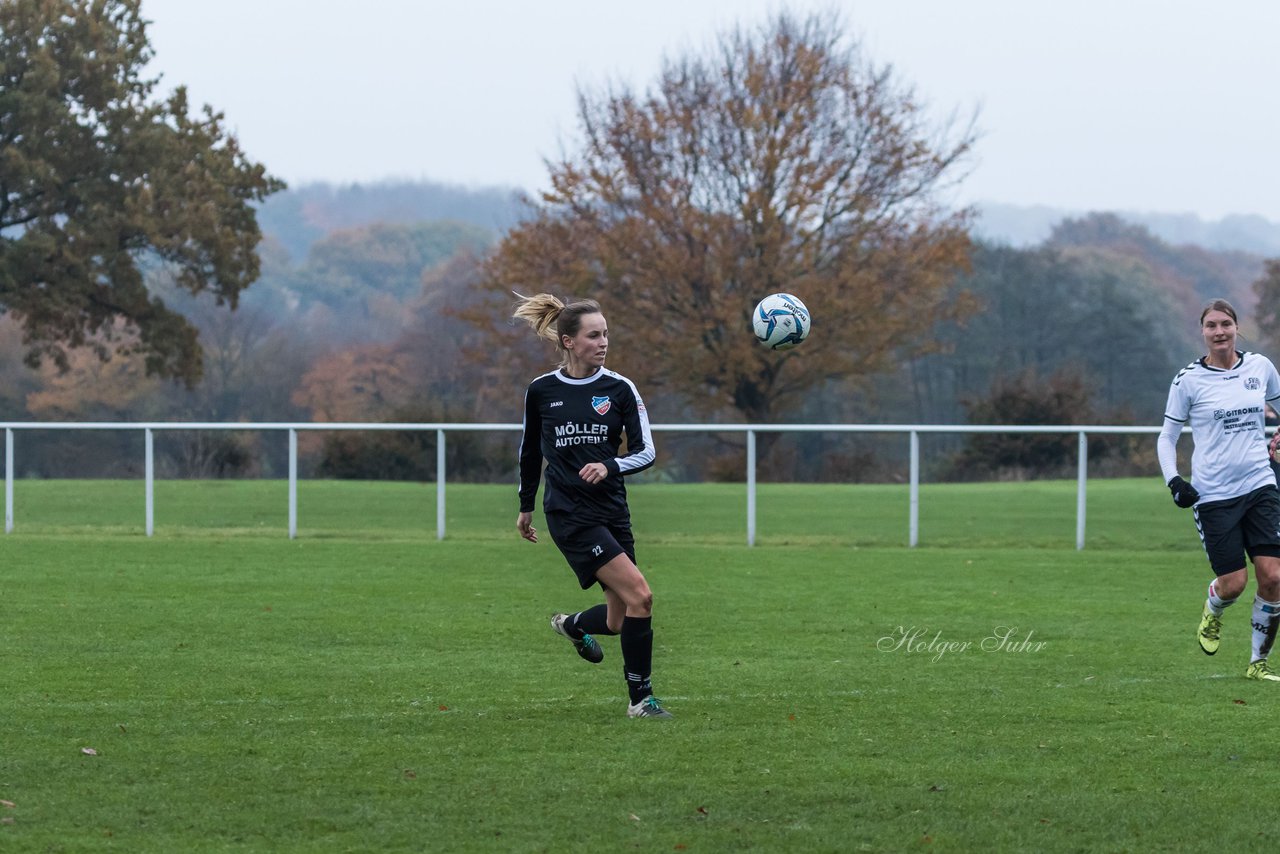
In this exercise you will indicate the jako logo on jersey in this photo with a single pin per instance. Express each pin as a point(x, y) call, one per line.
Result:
point(600, 404)
point(1252, 384)
point(555, 403)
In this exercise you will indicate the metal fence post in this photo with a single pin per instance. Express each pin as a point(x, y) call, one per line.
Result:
point(293, 484)
point(8, 480)
point(440, 478)
point(149, 466)
point(751, 487)
point(1082, 472)
point(913, 511)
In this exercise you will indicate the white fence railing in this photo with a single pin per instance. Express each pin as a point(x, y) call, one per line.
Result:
point(912, 431)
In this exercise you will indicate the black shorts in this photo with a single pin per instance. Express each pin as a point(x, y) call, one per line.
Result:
point(1234, 527)
point(587, 547)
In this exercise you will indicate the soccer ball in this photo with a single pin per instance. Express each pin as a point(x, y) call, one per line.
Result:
point(780, 321)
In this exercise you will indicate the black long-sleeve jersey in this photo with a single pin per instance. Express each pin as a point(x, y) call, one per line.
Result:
point(571, 422)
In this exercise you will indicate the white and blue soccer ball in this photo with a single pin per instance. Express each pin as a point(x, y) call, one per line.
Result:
point(781, 321)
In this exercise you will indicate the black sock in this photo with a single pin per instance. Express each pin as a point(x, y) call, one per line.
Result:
point(637, 656)
point(593, 621)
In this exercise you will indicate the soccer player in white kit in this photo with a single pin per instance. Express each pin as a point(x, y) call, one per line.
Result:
point(1234, 499)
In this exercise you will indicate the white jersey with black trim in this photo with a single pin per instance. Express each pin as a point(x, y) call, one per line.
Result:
point(1226, 409)
point(570, 422)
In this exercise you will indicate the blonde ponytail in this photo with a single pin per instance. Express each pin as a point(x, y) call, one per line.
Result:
point(553, 319)
point(541, 311)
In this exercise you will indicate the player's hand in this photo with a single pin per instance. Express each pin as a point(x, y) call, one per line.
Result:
point(1275, 443)
point(524, 524)
point(593, 472)
point(1184, 494)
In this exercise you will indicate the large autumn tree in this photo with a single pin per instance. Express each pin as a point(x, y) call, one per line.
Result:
point(98, 180)
point(779, 159)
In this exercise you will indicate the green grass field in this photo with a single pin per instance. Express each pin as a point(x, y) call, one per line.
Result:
point(369, 688)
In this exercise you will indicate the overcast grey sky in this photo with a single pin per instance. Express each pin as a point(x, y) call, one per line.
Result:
point(1127, 105)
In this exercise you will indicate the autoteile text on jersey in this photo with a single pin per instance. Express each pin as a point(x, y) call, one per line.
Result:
point(581, 434)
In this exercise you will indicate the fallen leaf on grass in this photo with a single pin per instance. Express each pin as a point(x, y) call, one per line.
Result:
point(702, 810)
point(9, 804)
point(6, 820)
point(443, 707)
point(1240, 702)
point(122, 729)
point(409, 774)
point(88, 751)
point(633, 817)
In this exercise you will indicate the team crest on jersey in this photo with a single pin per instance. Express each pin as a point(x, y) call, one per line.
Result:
point(1252, 384)
point(600, 404)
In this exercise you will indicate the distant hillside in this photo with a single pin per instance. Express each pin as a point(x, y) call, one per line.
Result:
point(298, 217)
point(1023, 226)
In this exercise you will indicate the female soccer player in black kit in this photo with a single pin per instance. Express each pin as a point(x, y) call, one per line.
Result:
point(574, 418)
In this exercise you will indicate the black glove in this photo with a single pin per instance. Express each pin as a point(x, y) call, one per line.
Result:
point(1184, 494)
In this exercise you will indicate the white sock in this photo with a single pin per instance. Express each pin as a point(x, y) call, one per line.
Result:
point(1266, 615)
point(1215, 603)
